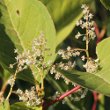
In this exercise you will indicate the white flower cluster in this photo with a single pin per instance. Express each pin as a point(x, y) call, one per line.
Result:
point(35, 56)
point(30, 97)
point(86, 23)
point(91, 66)
point(65, 65)
point(66, 54)
point(58, 75)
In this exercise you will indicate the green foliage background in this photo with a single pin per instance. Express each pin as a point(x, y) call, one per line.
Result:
point(23, 20)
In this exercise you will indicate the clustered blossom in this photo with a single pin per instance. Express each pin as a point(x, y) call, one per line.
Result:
point(86, 23)
point(65, 55)
point(30, 97)
point(68, 53)
point(58, 75)
point(35, 56)
point(68, 65)
point(91, 66)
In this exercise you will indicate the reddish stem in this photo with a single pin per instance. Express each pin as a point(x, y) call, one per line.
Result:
point(99, 34)
point(75, 89)
point(95, 95)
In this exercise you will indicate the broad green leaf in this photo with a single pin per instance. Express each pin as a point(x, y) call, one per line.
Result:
point(65, 13)
point(99, 81)
point(106, 3)
point(20, 22)
point(5, 106)
point(22, 106)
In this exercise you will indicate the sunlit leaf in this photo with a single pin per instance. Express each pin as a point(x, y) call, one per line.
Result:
point(20, 22)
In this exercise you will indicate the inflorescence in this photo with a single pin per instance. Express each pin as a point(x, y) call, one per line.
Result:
point(35, 56)
point(27, 59)
point(30, 97)
point(91, 66)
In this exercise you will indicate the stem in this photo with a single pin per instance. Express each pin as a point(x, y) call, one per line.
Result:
point(3, 89)
point(78, 49)
point(95, 95)
point(75, 89)
point(87, 38)
point(99, 34)
point(11, 88)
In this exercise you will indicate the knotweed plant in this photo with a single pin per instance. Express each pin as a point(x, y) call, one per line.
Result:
point(35, 57)
point(68, 55)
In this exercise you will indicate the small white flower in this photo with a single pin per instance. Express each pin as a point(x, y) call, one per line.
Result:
point(90, 15)
point(77, 36)
point(83, 58)
point(84, 38)
point(15, 50)
point(57, 76)
point(68, 48)
point(77, 53)
point(83, 6)
point(11, 66)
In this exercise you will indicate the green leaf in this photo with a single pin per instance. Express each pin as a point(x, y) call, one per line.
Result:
point(20, 22)
point(65, 13)
point(22, 106)
point(99, 81)
point(106, 3)
point(5, 106)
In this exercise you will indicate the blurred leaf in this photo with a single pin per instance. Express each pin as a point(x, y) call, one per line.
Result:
point(108, 27)
point(65, 13)
point(101, 102)
point(106, 3)
point(99, 81)
point(20, 22)
point(5, 106)
point(22, 106)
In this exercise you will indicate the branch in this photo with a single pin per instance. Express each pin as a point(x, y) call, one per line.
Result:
point(75, 89)
point(95, 95)
point(11, 88)
point(3, 89)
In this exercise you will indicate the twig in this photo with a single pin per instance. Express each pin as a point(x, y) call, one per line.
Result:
point(3, 89)
point(75, 89)
point(11, 88)
point(87, 37)
point(95, 95)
